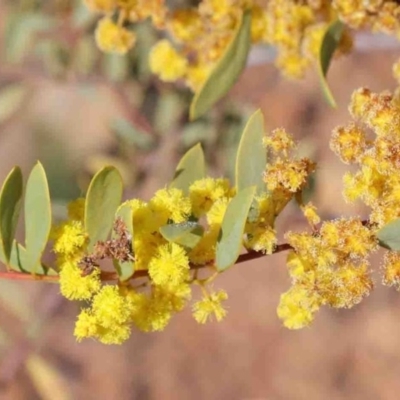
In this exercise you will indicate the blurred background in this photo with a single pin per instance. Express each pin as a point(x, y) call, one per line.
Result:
point(65, 103)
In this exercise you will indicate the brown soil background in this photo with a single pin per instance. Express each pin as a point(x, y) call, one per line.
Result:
point(348, 354)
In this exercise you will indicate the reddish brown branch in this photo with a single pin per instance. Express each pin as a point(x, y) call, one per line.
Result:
point(113, 276)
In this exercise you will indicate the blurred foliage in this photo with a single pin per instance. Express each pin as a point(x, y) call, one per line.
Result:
point(54, 41)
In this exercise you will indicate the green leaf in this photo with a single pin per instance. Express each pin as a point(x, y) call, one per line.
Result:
point(251, 156)
point(102, 200)
point(231, 235)
point(37, 216)
point(389, 235)
point(186, 234)
point(226, 72)
point(329, 44)
point(126, 269)
point(191, 168)
point(10, 207)
point(20, 261)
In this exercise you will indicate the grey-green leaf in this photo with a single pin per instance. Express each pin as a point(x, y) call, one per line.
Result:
point(191, 168)
point(10, 207)
point(389, 235)
point(37, 216)
point(251, 157)
point(330, 41)
point(125, 269)
point(102, 200)
point(226, 72)
point(231, 236)
point(186, 234)
point(20, 261)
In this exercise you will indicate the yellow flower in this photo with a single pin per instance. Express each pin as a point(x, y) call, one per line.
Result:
point(110, 307)
point(310, 212)
point(103, 6)
point(70, 239)
point(205, 192)
point(279, 141)
point(113, 38)
point(74, 286)
point(171, 204)
point(297, 307)
point(170, 265)
point(209, 306)
point(166, 62)
point(85, 326)
point(391, 269)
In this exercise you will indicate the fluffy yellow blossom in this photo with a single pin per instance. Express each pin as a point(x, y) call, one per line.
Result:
point(171, 204)
point(145, 247)
point(112, 38)
point(150, 313)
point(166, 62)
point(85, 326)
point(209, 306)
point(289, 175)
point(74, 286)
point(110, 307)
point(391, 269)
point(205, 192)
point(185, 24)
point(310, 212)
point(349, 285)
point(348, 142)
point(170, 265)
point(297, 307)
point(103, 6)
point(70, 240)
point(279, 141)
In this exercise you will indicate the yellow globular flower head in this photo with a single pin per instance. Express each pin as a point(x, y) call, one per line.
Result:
point(185, 24)
point(289, 175)
point(75, 286)
point(85, 326)
point(171, 204)
point(151, 313)
point(166, 62)
point(205, 192)
point(310, 212)
point(349, 236)
point(391, 269)
point(260, 232)
point(348, 142)
point(113, 38)
point(349, 285)
point(139, 10)
point(109, 318)
point(70, 240)
point(210, 306)
point(103, 6)
point(170, 265)
point(110, 307)
point(279, 141)
point(297, 307)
